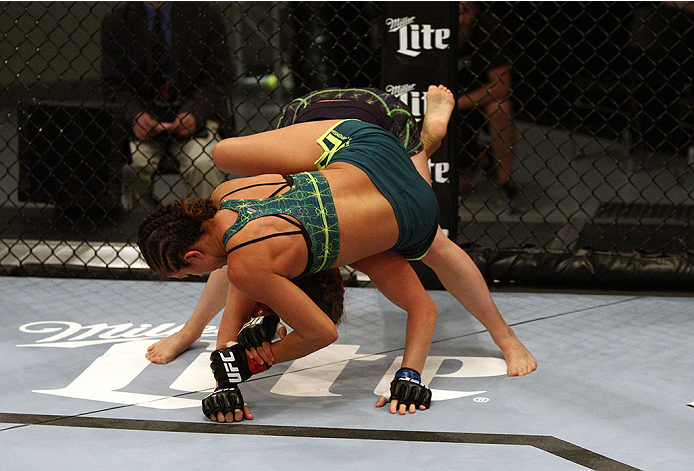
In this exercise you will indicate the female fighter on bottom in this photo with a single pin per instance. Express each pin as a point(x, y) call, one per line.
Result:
point(458, 273)
point(367, 207)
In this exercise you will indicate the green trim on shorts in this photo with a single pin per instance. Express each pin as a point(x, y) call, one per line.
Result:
point(418, 258)
point(404, 125)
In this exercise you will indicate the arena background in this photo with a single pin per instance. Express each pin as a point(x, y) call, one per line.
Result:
point(603, 113)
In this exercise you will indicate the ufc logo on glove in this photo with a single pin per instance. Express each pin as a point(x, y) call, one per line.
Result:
point(232, 371)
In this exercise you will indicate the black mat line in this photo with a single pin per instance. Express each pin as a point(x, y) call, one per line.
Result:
point(549, 444)
point(530, 321)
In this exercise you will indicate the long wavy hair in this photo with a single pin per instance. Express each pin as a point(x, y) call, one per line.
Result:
point(167, 233)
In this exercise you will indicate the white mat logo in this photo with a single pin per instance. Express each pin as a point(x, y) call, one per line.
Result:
point(74, 334)
point(413, 38)
point(312, 376)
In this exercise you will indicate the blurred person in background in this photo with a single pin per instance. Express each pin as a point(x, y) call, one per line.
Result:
point(484, 78)
point(168, 63)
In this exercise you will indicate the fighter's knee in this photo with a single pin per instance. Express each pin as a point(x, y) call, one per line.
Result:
point(432, 309)
point(437, 247)
point(221, 151)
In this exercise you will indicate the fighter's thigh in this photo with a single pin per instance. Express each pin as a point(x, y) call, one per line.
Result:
point(286, 150)
point(421, 163)
point(395, 278)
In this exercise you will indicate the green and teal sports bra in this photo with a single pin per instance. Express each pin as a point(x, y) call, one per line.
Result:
point(309, 201)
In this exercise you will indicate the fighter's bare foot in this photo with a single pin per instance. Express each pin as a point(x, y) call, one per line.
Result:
point(440, 105)
point(165, 350)
point(519, 360)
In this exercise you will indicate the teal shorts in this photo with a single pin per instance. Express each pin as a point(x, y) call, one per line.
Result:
point(384, 159)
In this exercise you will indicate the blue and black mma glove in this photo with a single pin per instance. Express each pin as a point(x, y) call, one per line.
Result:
point(230, 367)
point(263, 327)
point(407, 388)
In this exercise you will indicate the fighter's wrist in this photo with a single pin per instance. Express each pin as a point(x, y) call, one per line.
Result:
point(408, 374)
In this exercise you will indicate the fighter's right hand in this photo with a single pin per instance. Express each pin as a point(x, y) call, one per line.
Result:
point(258, 334)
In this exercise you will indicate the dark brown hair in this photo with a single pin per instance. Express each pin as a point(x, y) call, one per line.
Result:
point(167, 233)
point(326, 289)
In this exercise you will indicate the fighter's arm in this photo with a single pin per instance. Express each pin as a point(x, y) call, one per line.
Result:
point(396, 279)
point(226, 403)
point(237, 311)
point(312, 328)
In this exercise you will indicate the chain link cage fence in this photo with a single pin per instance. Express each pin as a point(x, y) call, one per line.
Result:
point(594, 128)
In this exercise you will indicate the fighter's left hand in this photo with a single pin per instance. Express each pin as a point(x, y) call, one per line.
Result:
point(407, 393)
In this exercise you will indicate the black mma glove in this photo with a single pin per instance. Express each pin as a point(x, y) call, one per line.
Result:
point(408, 389)
point(231, 366)
point(222, 400)
point(260, 329)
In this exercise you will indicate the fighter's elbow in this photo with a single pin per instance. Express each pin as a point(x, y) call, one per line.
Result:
point(323, 337)
point(331, 336)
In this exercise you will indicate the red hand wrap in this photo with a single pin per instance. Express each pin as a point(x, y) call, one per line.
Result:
point(256, 367)
point(263, 310)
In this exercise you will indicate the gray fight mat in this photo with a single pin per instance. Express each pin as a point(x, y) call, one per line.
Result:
point(611, 390)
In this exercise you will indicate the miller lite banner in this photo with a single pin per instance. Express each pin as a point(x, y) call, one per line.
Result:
point(419, 41)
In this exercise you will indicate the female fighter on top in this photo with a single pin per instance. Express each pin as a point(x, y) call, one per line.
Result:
point(453, 266)
point(367, 206)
